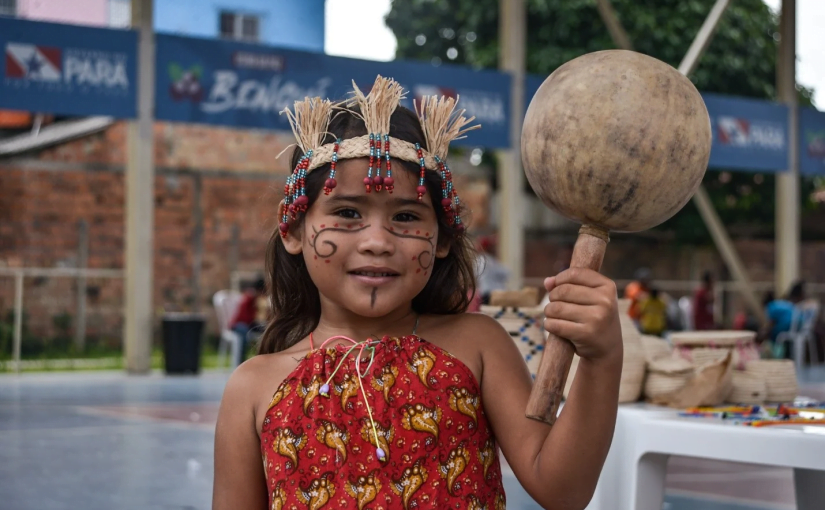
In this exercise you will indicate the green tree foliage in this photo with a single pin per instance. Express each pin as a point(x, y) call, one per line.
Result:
point(740, 61)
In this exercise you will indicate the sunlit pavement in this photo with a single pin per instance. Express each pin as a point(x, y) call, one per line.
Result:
point(104, 441)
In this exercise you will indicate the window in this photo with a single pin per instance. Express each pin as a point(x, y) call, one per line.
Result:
point(120, 13)
point(8, 7)
point(245, 27)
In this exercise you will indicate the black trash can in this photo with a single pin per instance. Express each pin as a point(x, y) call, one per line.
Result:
point(182, 334)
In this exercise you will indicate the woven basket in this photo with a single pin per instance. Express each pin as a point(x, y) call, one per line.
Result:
point(701, 347)
point(633, 360)
point(655, 347)
point(779, 376)
point(525, 327)
point(666, 375)
point(747, 389)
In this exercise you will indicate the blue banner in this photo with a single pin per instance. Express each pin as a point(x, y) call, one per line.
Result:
point(811, 142)
point(748, 134)
point(67, 70)
point(247, 85)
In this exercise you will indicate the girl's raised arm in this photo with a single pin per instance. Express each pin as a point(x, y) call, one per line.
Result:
point(558, 466)
point(240, 481)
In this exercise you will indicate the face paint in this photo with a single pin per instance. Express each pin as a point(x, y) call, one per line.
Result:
point(328, 247)
point(426, 258)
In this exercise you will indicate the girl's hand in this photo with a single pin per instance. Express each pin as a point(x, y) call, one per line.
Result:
point(583, 309)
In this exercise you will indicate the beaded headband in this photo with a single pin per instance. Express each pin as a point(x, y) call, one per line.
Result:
point(440, 121)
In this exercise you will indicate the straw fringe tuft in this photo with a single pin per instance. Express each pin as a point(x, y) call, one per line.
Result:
point(309, 120)
point(442, 123)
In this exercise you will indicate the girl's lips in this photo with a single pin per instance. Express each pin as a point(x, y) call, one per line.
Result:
point(374, 277)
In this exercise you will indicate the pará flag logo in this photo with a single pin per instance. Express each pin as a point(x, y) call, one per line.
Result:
point(32, 62)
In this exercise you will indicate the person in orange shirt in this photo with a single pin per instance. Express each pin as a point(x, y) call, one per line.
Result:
point(637, 291)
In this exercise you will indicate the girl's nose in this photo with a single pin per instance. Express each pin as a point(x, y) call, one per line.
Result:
point(376, 240)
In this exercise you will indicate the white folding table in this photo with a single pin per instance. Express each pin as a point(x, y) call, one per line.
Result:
point(634, 473)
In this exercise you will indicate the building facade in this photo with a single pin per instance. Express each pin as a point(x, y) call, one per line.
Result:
point(297, 24)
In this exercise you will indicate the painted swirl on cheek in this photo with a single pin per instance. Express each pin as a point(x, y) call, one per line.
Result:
point(326, 248)
point(425, 258)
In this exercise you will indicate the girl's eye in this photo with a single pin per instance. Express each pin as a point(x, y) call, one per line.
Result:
point(405, 217)
point(348, 213)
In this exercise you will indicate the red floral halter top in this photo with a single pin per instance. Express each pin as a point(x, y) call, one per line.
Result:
point(391, 424)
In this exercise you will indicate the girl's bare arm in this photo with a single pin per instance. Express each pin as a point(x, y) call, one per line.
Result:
point(240, 481)
point(559, 466)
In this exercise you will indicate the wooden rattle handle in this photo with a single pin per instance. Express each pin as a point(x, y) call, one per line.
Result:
point(548, 387)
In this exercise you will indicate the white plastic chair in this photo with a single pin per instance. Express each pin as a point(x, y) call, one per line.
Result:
point(226, 303)
point(801, 333)
point(686, 306)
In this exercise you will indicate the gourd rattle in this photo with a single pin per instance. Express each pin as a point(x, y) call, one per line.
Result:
point(614, 140)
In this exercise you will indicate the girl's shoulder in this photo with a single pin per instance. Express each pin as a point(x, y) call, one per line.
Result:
point(252, 384)
point(477, 327)
point(470, 337)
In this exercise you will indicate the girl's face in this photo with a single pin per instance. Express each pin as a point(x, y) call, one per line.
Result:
point(368, 253)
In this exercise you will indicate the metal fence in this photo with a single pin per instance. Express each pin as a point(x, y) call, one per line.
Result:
point(19, 274)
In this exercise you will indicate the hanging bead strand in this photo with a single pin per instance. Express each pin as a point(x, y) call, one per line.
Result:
point(389, 182)
point(330, 183)
point(378, 181)
point(421, 189)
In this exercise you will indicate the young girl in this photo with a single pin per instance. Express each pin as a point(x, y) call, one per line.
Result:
point(387, 395)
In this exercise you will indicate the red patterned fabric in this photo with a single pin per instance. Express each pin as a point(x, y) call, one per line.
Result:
point(320, 452)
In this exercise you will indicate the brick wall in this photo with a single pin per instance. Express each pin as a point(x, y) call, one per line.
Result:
point(208, 180)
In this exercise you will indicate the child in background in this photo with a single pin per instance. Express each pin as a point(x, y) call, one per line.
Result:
point(653, 314)
point(373, 388)
point(247, 316)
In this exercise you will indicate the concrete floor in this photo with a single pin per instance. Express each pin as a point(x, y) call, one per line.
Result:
point(103, 441)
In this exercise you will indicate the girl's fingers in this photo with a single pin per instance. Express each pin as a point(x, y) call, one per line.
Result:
point(550, 283)
point(569, 312)
point(581, 276)
point(576, 294)
point(565, 329)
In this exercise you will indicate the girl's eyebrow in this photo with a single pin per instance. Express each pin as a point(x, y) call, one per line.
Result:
point(341, 199)
point(410, 202)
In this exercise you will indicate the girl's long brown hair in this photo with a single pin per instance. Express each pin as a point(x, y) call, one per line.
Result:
point(294, 297)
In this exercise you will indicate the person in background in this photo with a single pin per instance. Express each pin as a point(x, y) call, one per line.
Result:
point(637, 291)
point(247, 315)
point(653, 314)
point(703, 304)
point(780, 316)
point(491, 274)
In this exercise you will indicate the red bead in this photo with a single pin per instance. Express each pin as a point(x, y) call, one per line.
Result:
point(330, 183)
point(421, 190)
point(302, 200)
point(284, 227)
point(460, 227)
point(291, 208)
point(389, 181)
point(378, 181)
point(446, 202)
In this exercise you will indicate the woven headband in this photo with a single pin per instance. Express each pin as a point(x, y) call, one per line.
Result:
point(440, 121)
